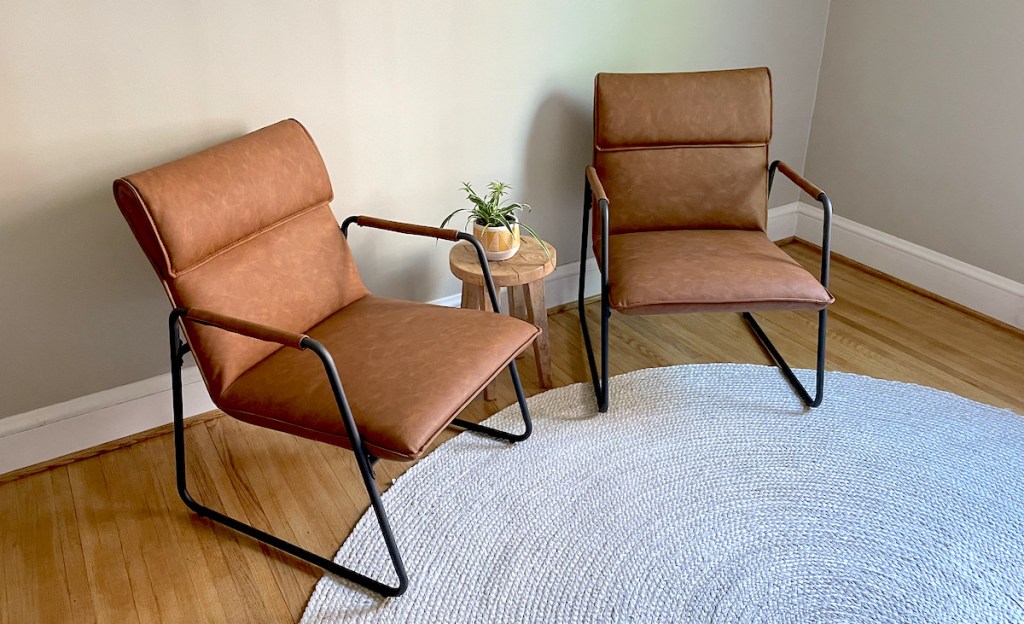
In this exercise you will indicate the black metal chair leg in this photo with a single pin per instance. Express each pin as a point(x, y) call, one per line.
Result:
point(497, 433)
point(600, 380)
point(787, 372)
point(178, 350)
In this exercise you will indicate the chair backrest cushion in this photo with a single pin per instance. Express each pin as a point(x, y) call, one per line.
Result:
point(684, 150)
point(244, 229)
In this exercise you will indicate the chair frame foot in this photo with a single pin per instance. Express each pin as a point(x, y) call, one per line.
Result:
point(498, 433)
point(787, 372)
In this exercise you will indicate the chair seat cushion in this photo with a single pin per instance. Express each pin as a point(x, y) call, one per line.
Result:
point(707, 271)
point(407, 370)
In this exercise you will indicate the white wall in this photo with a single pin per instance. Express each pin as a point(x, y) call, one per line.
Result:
point(405, 99)
point(918, 128)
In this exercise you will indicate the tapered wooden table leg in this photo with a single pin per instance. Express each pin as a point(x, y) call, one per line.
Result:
point(476, 298)
point(538, 315)
point(522, 276)
point(517, 307)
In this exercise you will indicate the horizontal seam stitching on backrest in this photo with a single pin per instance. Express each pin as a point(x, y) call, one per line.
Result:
point(638, 148)
point(245, 239)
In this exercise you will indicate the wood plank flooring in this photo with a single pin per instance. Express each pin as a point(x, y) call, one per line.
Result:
point(105, 539)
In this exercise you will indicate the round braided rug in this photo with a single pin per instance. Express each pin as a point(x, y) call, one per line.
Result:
point(707, 494)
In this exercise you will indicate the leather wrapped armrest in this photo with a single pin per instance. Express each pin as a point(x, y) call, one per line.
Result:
point(597, 192)
point(246, 328)
point(404, 228)
point(813, 190)
point(595, 184)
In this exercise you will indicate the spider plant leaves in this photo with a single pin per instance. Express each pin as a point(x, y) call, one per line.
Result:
point(449, 217)
point(534, 234)
point(504, 220)
point(481, 204)
point(491, 211)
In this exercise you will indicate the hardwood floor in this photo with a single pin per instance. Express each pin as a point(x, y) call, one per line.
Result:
point(106, 538)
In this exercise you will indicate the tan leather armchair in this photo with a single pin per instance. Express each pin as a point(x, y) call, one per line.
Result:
point(284, 331)
point(679, 188)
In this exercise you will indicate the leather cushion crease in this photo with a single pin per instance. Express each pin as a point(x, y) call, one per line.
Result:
point(244, 231)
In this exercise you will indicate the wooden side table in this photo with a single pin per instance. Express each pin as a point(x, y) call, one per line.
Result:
point(523, 277)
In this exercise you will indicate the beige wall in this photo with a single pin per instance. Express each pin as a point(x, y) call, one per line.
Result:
point(919, 125)
point(404, 98)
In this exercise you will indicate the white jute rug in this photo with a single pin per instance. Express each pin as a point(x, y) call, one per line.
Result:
point(707, 494)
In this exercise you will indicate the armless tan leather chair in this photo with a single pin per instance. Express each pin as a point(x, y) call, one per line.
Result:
point(283, 330)
point(680, 181)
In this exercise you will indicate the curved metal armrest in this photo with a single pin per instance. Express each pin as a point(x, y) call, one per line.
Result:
point(431, 232)
point(826, 205)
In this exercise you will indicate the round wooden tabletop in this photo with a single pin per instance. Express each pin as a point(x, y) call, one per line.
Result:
point(529, 265)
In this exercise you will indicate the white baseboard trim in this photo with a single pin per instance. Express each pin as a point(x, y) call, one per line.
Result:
point(992, 295)
point(451, 301)
point(56, 430)
point(79, 424)
point(782, 221)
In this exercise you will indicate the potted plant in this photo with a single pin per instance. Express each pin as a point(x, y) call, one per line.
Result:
point(494, 220)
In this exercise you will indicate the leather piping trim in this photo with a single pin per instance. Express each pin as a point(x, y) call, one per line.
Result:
point(637, 148)
point(330, 187)
point(152, 225)
point(597, 241)
point(713, 303)
point(173, 271)
point(378, 451)
point(725, 303)
point(263, 230)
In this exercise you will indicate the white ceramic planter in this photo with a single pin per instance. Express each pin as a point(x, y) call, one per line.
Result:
point(498, 242)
